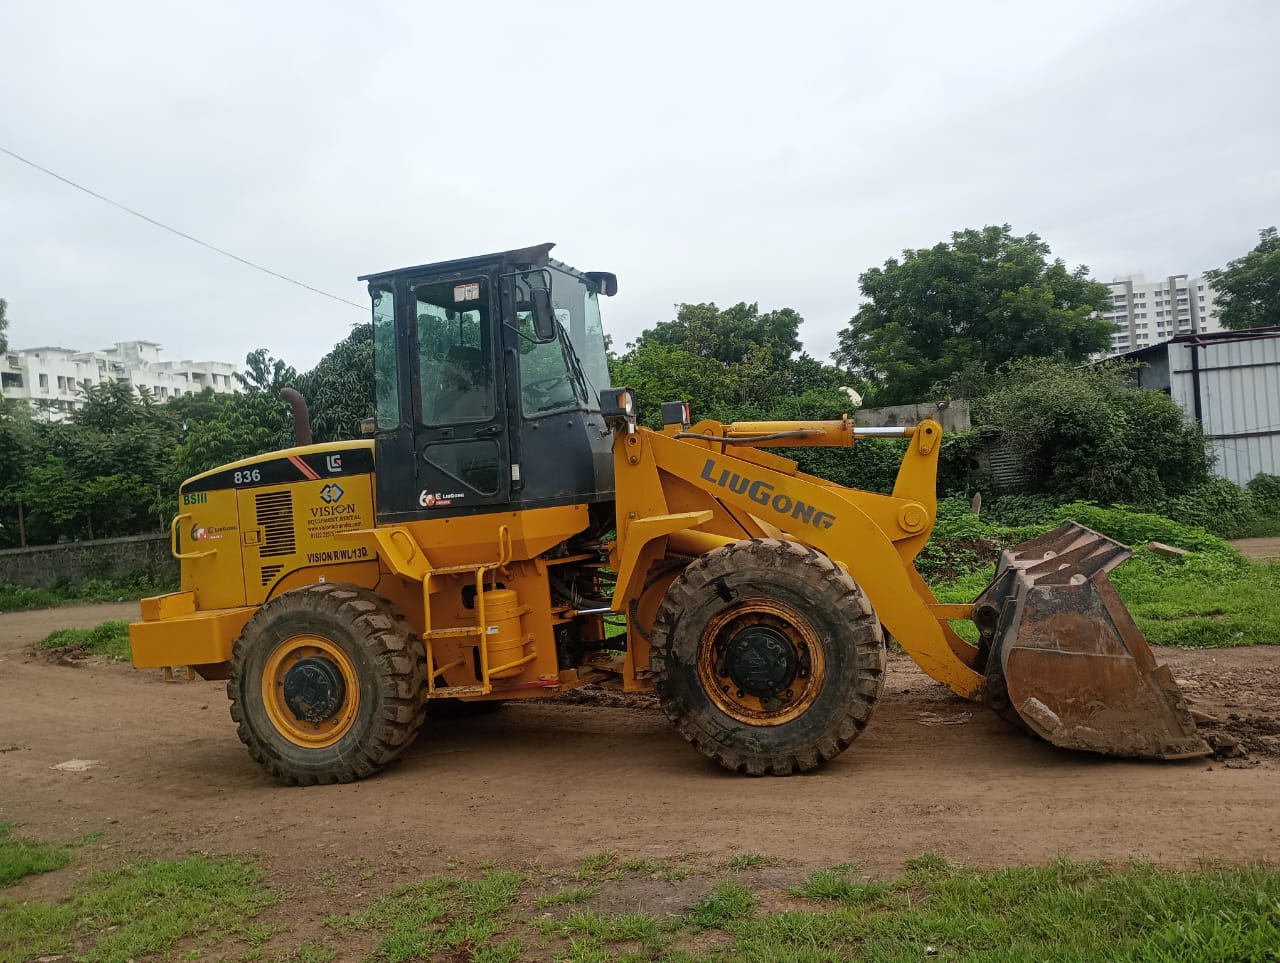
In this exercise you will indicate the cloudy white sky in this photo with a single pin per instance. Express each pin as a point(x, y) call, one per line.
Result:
point(703, 151)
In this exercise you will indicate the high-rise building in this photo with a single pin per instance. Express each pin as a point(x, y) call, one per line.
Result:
point(52, 377)
point(1149, 312)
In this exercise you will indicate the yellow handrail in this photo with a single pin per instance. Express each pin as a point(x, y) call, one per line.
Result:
point(173, 540)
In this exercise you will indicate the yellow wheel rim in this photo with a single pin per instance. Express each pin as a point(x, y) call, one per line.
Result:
point(310, 690)
point(761, 662)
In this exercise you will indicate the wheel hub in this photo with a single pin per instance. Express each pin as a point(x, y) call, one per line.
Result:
point(761, 661)
point(314, 689)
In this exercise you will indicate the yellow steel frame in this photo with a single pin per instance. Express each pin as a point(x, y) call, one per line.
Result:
point(720, 484)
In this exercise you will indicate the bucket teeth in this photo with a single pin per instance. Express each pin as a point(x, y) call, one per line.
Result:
point(1065, 658)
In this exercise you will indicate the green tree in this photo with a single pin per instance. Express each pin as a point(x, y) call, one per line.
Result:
point(730, 335)
point(4, 326)
point(1248, 288)
point(736, 364)
point(252, 421)
point(339, 390)
point(984, 298)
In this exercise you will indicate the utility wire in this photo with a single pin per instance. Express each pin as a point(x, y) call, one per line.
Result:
point(174, 230)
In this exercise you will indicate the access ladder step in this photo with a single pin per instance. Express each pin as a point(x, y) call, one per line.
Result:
point(452, 691)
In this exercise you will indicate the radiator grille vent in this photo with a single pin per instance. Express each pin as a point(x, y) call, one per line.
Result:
point(269, 572)
point(275, 518)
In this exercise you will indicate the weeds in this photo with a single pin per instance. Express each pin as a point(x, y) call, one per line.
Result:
point(741, 861)
point(725, 903)
point(110, 639)
point(572, 894)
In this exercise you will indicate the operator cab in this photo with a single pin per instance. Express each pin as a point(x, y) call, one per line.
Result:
point(487, 373)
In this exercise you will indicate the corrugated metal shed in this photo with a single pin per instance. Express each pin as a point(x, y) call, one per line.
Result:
point(1229, 381)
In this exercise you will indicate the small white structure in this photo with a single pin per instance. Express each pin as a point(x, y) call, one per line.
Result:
point(1229, 381)
point(1146, 313)
point(54, 375)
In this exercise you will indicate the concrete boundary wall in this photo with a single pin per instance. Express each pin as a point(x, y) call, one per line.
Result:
point(42, 566)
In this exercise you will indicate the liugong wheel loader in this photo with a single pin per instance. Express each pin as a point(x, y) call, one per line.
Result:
point(508, 510)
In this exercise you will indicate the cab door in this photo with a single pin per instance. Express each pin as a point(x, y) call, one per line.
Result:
point(459, 396)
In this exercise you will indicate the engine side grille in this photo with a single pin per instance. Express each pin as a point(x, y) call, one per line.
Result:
point(275, 518)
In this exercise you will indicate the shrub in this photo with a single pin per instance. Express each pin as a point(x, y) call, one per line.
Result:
point(1217, 505)
point(1019, 510)
point(1086, 433)
point(1136, 528)
point(1266, 489)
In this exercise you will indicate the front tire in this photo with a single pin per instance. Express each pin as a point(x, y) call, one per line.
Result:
point(767, 657)
point(326, 684)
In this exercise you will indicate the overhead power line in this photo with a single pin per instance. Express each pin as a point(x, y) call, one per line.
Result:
point(174, 230)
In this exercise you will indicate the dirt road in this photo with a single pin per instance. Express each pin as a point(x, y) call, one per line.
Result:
point(1263, 549)
point(555, 782)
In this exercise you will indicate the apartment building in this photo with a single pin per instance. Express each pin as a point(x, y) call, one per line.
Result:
point(50, 377)
point(1150, 312)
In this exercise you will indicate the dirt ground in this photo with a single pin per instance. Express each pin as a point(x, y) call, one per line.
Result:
point(553, 782)
point(1264, 549)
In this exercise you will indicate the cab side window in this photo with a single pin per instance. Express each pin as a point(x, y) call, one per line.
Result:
point(455, 360)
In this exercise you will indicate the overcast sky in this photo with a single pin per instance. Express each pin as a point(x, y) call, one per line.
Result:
point(732, 151)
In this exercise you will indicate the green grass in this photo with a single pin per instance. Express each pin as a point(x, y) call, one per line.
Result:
point(110, 639)
point(725, 903)
point(842, 884)
point(137, 910)
point(25, 857)
point(1062, 911)
point(1202, 601)
point(741, 861)
point(133, 585)
point(1210, 599)
point(563, 897)
point(448, 913)
point(607, 928)
point(593, 865)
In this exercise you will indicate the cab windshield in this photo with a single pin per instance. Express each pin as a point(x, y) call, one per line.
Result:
point(570, 371)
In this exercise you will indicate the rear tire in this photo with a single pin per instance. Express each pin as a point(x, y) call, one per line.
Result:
point(327, 684)
point(767, 657)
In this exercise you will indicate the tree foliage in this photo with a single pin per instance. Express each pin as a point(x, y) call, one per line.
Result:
point(1086, 433)
point(1248, 288)
point(101, 473)
point(339, 390)
point(252, 421)
point(984, 298)
point(4, 325)
point(731, 335)
point(735, 364)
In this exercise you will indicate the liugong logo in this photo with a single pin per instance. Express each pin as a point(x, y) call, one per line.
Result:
point(762, 493)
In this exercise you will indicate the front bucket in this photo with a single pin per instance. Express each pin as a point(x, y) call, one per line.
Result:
point(1066, 659)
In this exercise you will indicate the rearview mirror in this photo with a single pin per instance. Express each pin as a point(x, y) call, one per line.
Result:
point(544, 315)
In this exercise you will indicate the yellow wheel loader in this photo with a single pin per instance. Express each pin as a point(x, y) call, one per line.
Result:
point(510, 532)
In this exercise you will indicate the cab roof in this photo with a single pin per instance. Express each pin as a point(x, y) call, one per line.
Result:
point(535, 256)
